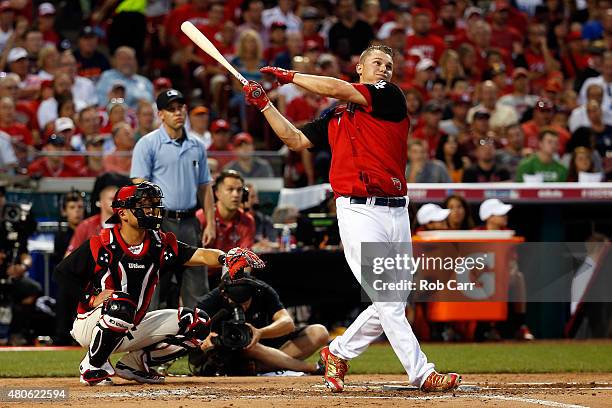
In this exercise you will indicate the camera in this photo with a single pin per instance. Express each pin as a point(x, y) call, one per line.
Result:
point(235, 334)
point(16, 225)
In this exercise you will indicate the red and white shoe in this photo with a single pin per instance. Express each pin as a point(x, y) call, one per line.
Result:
point(437, 382)
point(335, 369)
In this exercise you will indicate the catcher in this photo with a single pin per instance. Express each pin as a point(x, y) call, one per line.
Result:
point(119, 270)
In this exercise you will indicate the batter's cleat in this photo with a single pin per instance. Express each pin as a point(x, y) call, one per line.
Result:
point(320, 367)
point(437, 382)
point(129, 373)
point(335, 369)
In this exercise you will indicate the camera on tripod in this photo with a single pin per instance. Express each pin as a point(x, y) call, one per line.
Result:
point(235, 333)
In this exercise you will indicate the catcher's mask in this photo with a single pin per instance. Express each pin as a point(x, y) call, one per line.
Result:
point(240, 289)
point(138, 198)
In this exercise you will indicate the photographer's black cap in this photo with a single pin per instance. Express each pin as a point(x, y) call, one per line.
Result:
point(239, 290)
point(165, 98)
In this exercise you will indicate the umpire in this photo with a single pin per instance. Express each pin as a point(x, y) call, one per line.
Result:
point(177, 162)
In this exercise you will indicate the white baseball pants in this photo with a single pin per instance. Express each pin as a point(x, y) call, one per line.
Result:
point(370, 223)
point(154, 328)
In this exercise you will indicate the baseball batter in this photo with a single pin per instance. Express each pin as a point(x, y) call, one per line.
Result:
point(119, 270)
point(368, 139)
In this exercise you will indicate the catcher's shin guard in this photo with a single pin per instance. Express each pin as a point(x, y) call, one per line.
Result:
point(116, 320)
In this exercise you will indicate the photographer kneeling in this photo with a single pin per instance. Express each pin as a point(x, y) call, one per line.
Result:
point(252, 332)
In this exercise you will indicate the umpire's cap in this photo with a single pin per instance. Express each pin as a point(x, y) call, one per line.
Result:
point(165, 98)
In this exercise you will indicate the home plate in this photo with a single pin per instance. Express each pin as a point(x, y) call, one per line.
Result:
point(463, 388)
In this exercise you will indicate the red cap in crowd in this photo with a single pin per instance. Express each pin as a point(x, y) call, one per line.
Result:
point(162, 83)
point(464, 98)
point(242, 138)
point(219, 124)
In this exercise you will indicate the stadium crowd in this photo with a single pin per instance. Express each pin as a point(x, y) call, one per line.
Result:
point(496, 90)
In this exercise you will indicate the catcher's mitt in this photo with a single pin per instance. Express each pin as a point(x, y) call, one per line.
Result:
point(237, 259)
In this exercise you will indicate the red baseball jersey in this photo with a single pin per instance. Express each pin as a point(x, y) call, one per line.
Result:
point(368, 143)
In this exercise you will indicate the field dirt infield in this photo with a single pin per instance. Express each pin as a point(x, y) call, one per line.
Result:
point(499, 390)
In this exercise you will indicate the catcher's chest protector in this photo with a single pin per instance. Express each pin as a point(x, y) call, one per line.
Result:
point(119, 269)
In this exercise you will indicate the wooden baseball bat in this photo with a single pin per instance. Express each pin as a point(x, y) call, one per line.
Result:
point(205, 45)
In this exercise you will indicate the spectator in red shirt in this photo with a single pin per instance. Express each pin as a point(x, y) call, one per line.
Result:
point(542, 118)
point(8, 123)
point(93, 225)
point(423, 43)
point(425, 73)
point(195, 11)
point(278, 41)
point(310, 27)
point(235, 227)
point(537, 57)
point(503, 36)
point(446, 26)
point(25, 111)
point(430, 131)
point(46, 23)
point(221, 146)
point(56, 164)
point(575, 59)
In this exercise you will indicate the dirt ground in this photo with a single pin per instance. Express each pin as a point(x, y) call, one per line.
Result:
point(499, 390)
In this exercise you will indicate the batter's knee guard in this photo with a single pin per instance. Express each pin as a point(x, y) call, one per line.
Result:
point(117, 319)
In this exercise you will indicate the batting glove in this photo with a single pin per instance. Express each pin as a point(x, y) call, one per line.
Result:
point(283, 76)
point(255, 95)
point(237, 259)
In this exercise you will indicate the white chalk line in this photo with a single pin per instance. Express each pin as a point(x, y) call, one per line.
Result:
point(437, 397)
point(194, 395)
point(466, 387)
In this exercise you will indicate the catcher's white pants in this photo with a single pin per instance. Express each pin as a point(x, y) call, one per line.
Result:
point(154, 328)
point(370, 223)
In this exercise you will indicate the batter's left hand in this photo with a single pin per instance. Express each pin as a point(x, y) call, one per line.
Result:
point(209, 235)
